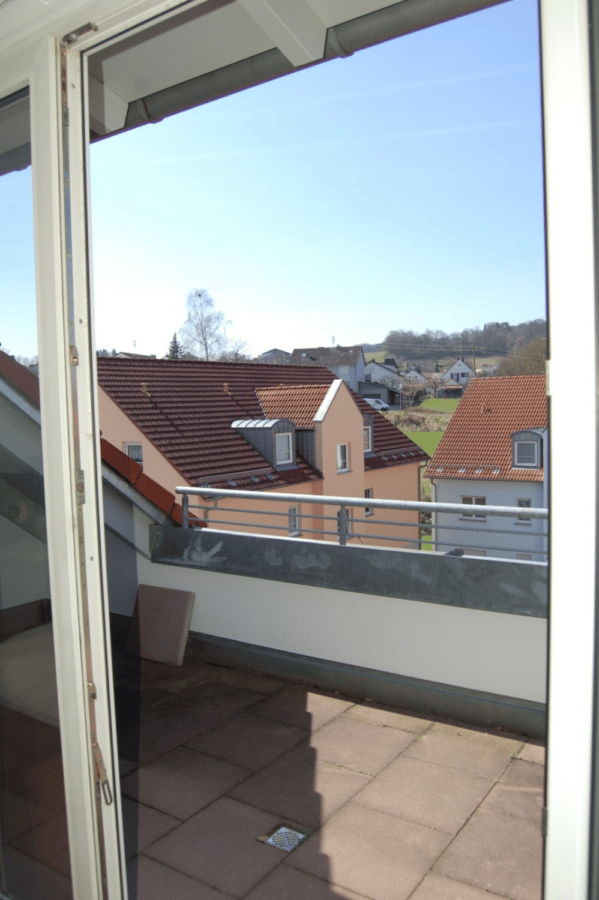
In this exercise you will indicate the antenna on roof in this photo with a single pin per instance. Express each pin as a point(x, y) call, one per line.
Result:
point(333, 341)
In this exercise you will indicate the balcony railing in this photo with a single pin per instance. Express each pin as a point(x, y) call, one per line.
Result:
point(338, 520)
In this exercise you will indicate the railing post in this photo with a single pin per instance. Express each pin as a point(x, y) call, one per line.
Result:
point(185, 511)
point(342, 520)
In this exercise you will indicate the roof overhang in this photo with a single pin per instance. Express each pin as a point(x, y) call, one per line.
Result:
point(192, 54)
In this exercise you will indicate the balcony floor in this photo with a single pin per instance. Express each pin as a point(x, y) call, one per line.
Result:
point(397, 806)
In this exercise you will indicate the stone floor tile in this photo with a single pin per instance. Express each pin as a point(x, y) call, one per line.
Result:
point(371, 853)
point(21, 814)
point(182, 782)
point(42, 780)
point(48, 843)
point(497, 853)
point(520, 792)
point(438, 887)
point(174, 718)
point(143, 826)
point(248, 680)
point(221, 847)
point(533, 752)
point(29, 879)
point(379, 714)
point(301, 788)
point(126, 766)
point(149, 880)
point(248, 740)
point(295, 705)
point(466, 749)
point(358, 745)
point(223, 698)
point(285, 883)
point(424, 792)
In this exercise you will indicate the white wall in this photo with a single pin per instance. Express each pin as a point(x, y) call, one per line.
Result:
point(524, 536)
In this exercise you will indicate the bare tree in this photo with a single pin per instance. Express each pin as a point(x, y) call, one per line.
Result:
point(529, 359)
point(236, 351)
point(205, 330)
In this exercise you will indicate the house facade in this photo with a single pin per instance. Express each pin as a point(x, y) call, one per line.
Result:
point(347, 363)
point(494, 453)
point(460, 372)
point(258, 427)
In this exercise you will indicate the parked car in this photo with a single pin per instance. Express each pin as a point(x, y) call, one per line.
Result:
point(377, 403)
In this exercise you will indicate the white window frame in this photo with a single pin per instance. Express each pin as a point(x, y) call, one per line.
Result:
point(518, 463)
point(472, 500)
point(571, 243)
point(294, 515)
point(367, 438)
point(523, 503)
point(284, 457)
point(71, 453)
point(342, 458)
point(130, 447)
point(368, 494)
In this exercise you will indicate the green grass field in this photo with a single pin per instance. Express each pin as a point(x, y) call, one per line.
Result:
point(428, 440)
point(440, 405)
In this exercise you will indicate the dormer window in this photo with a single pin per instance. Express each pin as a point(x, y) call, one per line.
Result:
point(283, 448)
point(526, 450)
point(367, 438)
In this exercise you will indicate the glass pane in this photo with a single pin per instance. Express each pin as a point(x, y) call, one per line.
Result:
point(34, 857)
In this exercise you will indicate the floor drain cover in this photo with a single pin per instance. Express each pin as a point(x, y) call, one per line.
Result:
point(287, 838)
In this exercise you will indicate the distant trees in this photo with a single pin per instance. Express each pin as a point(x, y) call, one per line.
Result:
point(529, 359)
point(204, 333)
point(495, 338)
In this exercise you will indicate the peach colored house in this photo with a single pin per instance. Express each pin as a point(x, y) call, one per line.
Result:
point(289, 429)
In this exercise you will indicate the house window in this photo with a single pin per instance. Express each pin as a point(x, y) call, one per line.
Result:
point(293, 517)
point(524, 503)
point(343, 457)
point(526, 454)
point(368, 510)
point(474, 501)
point(135, 452)
point(526, 450)
point(367, 439)
point(283, 448)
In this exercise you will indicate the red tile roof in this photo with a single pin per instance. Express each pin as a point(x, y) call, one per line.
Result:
point(28, 384)
point(477, 444)
point(186, 407)
point(20, 377)
point(300, 403)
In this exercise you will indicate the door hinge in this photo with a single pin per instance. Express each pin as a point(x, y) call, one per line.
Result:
point(79, 486)
point(74, 35)
point(100, 773)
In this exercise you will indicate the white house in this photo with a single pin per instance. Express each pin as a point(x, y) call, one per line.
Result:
point(494, 453)
point(381, 374)
point(459, 372)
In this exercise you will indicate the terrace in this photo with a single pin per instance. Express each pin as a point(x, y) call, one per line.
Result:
point(432, 787)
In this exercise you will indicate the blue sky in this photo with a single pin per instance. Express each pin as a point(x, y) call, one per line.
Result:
point(398, 188)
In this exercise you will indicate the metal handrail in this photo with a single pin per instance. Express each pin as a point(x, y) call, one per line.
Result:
point(344, 530)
